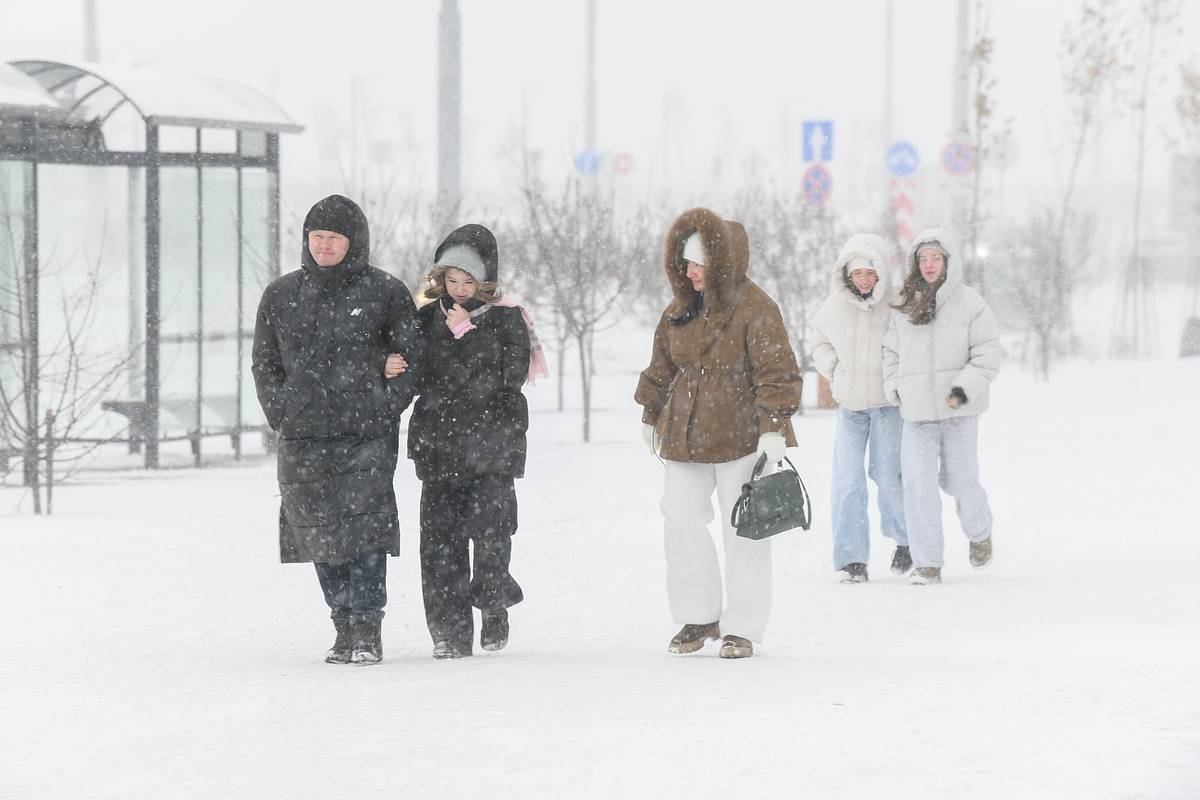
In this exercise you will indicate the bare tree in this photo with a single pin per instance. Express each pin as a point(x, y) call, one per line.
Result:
point(588, 259)
point(793, 244)
point(1134, 328)
point(66, 374)
point(1091, 63)
point(1187, 104)
point(1044, 256)
point(1033, 252)
point(986, 133)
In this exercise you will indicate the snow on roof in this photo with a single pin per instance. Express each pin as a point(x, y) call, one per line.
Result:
point(162, 97)
point(21, 95)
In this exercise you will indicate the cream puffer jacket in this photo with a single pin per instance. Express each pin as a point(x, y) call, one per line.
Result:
point(849, 329)
point(959, 348)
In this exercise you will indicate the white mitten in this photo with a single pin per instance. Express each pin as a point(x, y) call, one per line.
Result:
point(773, 445)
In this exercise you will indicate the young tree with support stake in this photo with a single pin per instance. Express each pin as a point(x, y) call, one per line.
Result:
point(49, 412)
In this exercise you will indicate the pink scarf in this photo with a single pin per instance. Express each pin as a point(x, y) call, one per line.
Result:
point(538, 368)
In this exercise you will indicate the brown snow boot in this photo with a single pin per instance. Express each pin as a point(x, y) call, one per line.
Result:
point(692, 637)
point(736, 647)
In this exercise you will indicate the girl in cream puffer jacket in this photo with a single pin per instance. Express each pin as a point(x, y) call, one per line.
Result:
point(940, 355)
point(848, 351)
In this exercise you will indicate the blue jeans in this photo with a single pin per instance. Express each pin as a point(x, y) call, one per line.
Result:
point(879, 430)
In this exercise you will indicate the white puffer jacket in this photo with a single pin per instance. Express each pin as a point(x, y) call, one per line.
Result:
point(960, 347)
point(849, 330)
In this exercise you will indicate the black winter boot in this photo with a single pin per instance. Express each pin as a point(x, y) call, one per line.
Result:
point(444, 649)
point(901, 560)
point(493, 634)
point(368, 639)
point(855, 573)
point(340, 652)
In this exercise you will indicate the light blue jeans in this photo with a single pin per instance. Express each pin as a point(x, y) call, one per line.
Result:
point(877, 430)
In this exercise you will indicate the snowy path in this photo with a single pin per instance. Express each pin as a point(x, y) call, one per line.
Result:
point(153, 647)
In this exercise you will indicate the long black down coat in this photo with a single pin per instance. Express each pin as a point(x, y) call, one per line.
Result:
point(471, 416)
point(320, 342)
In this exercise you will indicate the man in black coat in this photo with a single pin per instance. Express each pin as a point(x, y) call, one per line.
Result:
point(321, 338)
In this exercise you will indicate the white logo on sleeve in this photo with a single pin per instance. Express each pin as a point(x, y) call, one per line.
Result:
point(356, 312)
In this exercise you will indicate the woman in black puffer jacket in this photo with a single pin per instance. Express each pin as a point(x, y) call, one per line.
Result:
point(467, 440)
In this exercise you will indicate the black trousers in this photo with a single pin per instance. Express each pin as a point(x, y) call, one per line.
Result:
point(480, 509)
point(357, 586)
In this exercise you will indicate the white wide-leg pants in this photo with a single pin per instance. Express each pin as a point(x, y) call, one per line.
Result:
point(695, 590)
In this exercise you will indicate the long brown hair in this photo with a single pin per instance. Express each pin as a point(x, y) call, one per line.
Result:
point(486, 291)
point(918, 297)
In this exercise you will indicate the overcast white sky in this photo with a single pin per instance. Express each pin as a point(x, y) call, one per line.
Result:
point(692, 90)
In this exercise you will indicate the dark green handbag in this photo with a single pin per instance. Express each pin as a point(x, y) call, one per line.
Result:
point(771, 504)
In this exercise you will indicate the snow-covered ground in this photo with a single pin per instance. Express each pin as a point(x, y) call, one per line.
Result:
point(152, 646)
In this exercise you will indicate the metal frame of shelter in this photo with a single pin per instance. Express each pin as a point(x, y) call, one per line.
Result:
point(72, 133)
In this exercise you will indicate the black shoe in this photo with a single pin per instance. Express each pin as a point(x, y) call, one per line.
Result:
point(692, 637)
point(368, 639)
point(493, 634)
point(855, 573)
point(342, 647)
point(901, 560)
point(445, 649)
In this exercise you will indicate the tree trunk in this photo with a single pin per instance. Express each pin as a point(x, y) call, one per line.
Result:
point(562, 369)
point(32, 476)
point(585, 379)
point(49, 461)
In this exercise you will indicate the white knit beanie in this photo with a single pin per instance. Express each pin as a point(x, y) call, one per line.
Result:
point(694, 250)
point(861, 262)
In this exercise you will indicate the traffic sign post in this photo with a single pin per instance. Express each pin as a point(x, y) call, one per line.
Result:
point(904, 209)
point(959, 157)
point(587, 162)
point(818, 184)
point(902, 159)
point(818, 140)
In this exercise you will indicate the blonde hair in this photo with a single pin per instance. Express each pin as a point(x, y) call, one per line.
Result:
point(485, 291)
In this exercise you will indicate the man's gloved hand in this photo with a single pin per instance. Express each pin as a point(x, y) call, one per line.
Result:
point(648, 438)
point(773, 445)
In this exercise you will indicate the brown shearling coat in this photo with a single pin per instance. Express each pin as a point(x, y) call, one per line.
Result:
point(718, 381)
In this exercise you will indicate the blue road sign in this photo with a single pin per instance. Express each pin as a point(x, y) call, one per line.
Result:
point(959, 157)
point(587, 162)
point(818, 184)
point(818, 140)
point(902, 159)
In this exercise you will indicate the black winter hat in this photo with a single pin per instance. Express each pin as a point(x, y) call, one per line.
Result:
point(334, 213)
point(480, 242)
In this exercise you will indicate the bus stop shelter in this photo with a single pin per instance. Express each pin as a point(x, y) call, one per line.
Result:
point(189, 145)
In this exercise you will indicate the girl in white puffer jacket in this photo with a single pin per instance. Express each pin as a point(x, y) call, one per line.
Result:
point(940, 355)
point(848, 352)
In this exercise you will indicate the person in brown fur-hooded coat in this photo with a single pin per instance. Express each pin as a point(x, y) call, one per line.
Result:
point(720, 390)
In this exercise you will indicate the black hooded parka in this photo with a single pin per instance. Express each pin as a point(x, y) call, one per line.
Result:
point(321, 338)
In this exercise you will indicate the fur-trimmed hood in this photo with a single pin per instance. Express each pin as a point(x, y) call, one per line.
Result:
point(728, 255)
point(874, 249)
